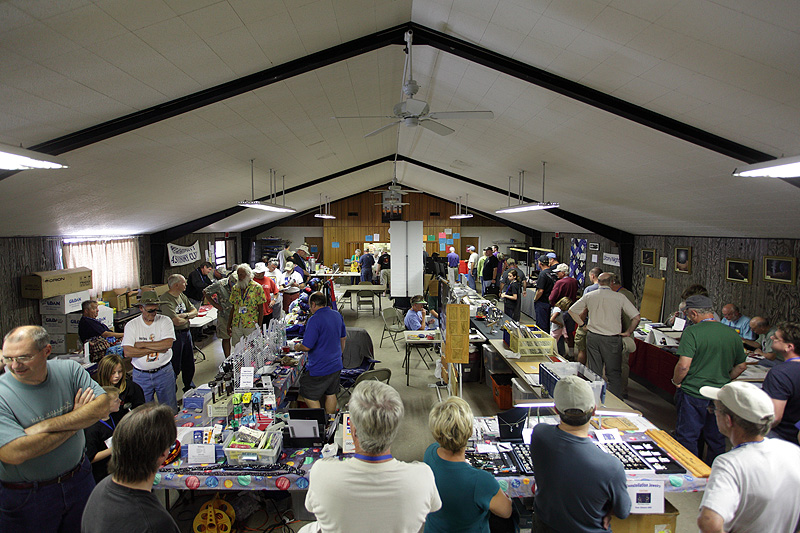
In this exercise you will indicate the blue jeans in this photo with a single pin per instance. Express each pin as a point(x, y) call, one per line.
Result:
point(183, 357)
point(542, 310)
point(51, 508)
point(162, 383)
point(695, 421)
point(366, 274)
point(470, 281)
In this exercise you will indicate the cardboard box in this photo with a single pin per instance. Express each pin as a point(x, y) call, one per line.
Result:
point(61, 305)
point(55, 324)
point(133, 298)
point(43, 285)
point(72, 320)
point(105, 315)
point(638, 523)
point(66, 343)
point(158, 289)
point(117, 298)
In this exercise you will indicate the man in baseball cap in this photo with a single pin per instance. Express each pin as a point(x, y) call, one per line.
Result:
point(756, 485)
point(561, 454)
point(708, 355)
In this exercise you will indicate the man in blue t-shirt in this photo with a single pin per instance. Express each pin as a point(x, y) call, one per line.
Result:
point(324, 340)
point(89, 327)
point(732, 317)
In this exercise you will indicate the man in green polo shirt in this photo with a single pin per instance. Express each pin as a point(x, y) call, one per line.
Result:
point(710, 354)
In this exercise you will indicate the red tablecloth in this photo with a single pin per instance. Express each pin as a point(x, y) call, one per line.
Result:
point(654, 364)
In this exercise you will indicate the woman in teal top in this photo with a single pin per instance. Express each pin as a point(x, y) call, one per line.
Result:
point(468, 494)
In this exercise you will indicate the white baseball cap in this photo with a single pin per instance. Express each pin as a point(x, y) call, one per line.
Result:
point(260, 268)
point(743, 399)
point(573, 392)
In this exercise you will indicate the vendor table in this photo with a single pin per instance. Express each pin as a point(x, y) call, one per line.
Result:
point(209, 317)
point(413, 340)
point(342, 291)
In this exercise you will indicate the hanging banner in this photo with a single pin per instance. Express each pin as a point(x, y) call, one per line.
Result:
point(183, 255)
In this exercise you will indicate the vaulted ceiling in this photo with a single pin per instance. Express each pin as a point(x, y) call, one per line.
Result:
point(641, 109)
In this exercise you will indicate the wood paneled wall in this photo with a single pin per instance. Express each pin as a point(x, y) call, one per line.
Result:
point(20, 256)
point(775, 301)
point(347, 229)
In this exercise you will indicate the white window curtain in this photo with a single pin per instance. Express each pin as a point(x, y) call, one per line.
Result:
point(114, 262)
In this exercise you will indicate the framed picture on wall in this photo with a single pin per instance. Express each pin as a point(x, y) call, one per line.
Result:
point(683, 259)
point(739, 270)
point(780, 269)
point(649, 258)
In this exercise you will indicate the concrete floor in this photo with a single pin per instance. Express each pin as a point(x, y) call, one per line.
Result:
point(418, 399)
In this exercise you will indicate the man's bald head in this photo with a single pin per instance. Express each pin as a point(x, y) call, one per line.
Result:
point(759, 325)
point(604, 279)
point(730, 312)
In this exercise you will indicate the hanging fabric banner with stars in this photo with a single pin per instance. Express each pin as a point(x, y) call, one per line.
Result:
point(577, 260)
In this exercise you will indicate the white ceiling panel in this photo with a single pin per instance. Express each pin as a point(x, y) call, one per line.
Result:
point(728, 68)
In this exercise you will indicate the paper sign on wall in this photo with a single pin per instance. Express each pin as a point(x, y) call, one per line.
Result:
point(611, 259)
point(442, 246)
point(442, 235)
point(449, 241)
point(431, 237)
point(662, 263)
point(456, 235)
point(376, 237)
point(594, 258)
point(368, 238)
point(448, 231)
point(335, 244)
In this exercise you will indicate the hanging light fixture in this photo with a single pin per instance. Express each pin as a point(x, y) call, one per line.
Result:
point(272, 205)
point(16, 158)
point(459, 214)
point(785, 167)
point(327, 213)
point(533, 206)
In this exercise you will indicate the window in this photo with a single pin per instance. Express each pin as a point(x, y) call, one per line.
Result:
point(224, 252)
point(114, 261)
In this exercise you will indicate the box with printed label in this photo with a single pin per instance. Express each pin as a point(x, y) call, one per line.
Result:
point(65, 343)
point(106, 316)
point(72, 321)
point(55, 324)
point(61, 305)
point(46, 284)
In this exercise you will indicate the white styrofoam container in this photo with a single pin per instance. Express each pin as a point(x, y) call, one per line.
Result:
point(106, 316)
point(55, 324)
point(61, 305)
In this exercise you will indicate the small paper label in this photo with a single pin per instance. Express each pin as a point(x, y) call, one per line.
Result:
point(201, 453)
point(662, 263)
point(247, 377)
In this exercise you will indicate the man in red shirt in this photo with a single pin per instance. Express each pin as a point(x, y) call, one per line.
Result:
point(565, 287)
point(270, 290)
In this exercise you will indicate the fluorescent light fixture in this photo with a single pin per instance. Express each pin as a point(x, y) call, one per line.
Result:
point(535, 206)
point(785, 167)
point(459, 214)
point(324, 209)
point(16, 158)
point(267, 206)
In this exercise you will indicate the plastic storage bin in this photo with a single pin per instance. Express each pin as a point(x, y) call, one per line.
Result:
point(245, 456)
point(501, 390)
point(521, 392)
point(550, 373)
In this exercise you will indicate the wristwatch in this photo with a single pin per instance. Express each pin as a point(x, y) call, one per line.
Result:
point(673, 382)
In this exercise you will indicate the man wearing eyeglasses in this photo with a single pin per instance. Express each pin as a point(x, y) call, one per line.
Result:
point(148, 342)
point(45, 479)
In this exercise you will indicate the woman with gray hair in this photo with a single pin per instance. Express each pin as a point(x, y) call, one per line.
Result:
point(371, 491)
point(468, 494)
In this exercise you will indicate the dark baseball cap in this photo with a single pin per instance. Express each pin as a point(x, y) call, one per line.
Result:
point(698, 301)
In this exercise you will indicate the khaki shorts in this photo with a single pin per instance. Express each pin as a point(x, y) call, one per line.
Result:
point(580, 338)
point(222, 326)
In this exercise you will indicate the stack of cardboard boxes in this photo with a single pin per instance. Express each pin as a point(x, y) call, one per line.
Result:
point(60, 294)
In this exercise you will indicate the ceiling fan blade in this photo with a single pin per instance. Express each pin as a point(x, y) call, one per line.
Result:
point(365, 116)
point(382, 128)
point(435, 127)
point(461, 114)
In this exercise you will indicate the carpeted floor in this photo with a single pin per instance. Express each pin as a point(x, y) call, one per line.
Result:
point(418, 399)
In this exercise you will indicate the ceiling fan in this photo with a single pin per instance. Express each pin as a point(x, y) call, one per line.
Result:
point(393, 193)
point(412, 112)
